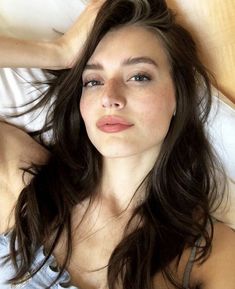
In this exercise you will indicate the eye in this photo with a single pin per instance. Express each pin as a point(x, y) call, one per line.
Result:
point(92, 83)
point(140, 77)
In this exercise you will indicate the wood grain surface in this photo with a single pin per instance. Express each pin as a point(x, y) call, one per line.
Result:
point(212, 23)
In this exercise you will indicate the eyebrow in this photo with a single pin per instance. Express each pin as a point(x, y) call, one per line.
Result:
point(126, 62)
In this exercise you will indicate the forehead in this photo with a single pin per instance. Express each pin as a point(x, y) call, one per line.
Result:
point(130, 41)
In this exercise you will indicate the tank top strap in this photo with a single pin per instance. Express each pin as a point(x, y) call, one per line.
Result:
point(189, 265)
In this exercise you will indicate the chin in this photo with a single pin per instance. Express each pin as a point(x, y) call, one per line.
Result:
point(117, 151)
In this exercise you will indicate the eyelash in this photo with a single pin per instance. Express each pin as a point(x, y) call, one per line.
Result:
point(142, 75)
point(86, 83)
point(145, 77)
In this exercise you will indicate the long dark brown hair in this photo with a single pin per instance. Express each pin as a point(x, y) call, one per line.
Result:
point(181, 188)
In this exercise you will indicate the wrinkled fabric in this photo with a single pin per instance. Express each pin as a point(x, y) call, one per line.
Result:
point(41, 280)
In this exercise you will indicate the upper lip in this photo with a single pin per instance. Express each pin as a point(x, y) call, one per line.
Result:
point(111, 120)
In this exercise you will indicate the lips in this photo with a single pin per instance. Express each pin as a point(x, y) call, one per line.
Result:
point(111, 124)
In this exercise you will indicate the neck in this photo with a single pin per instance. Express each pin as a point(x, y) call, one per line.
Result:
point(122, 177)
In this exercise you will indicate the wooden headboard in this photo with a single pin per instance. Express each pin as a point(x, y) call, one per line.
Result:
point(212, 23)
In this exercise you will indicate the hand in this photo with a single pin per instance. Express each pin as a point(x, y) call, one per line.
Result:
point(57, 54)
point(73, 40)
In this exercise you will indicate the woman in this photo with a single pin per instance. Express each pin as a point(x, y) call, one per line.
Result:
point(124, 197)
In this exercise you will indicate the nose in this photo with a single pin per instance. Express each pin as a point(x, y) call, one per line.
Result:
point(113, 95)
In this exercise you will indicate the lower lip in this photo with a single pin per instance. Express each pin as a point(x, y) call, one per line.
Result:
point(112, 128)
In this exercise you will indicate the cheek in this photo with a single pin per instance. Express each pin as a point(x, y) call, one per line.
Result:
point(167, 102)
point(156, 113)
point(88, 114)
point(82, 108)
point(84, 105)
point(159, 105)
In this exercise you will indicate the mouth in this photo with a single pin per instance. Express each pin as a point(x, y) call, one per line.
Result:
point(112, 124)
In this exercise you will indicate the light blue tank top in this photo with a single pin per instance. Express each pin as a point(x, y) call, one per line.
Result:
point(45, 277)
point(40, 280)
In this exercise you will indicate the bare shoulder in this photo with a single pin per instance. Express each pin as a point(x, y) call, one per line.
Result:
point(218, 271)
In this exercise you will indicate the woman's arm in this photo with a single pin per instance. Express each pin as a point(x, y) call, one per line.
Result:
point(26, 53)
point(56, 54)
point(17, 150)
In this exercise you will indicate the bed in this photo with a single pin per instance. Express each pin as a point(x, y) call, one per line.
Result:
point(46, 19)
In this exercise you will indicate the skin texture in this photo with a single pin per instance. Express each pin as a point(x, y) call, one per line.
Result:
point(141, 93)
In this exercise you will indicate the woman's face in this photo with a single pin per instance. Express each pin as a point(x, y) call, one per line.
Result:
point(128, 96)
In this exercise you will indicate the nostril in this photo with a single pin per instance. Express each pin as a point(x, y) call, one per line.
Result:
point(114, 100)
point(111, 104)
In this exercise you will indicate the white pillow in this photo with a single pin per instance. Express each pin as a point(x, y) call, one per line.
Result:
point(33, 19)
point(221, 129)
